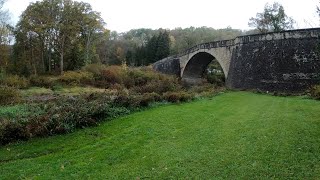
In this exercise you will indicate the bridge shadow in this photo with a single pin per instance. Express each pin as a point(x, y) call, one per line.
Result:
point(203, 67)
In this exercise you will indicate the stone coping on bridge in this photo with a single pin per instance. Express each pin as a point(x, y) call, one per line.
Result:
point(289, 34)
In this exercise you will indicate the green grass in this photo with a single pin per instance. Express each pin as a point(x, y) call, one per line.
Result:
point(236, 135)
point(13, 111)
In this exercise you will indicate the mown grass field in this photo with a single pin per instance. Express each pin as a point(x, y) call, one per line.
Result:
point(236, 135)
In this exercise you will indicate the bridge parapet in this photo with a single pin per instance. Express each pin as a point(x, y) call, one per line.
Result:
point(272, 36)
point(290, 34)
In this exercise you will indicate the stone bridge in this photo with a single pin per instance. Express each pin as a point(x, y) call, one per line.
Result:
point(283, 61)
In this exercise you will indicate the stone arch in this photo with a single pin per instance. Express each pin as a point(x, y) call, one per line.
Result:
point(197, 65)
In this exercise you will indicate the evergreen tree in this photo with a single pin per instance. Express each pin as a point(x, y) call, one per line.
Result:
point(163, 48)
point(130, 58)
point(151, 49)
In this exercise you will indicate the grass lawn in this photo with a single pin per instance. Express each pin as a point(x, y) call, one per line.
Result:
point(234, 135)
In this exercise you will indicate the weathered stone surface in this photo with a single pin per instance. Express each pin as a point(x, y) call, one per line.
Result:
point(168, 65)
point(284, 61)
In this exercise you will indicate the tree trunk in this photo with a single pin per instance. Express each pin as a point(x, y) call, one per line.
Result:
point(42, 59)
point(33, 62)
point(62, 54)
point(61, 61)
point(87, 48)
point(50, 61)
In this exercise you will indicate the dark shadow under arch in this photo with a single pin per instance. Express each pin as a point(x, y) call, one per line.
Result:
point(197, 65)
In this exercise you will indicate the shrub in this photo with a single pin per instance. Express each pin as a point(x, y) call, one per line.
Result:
point(149, 98)
point(141, 77)
point(11, 131)
point(161, 84)
point(76, 78)
point(15, 81)
point(177, 96)
point(216, 79)
point(37, 126)
point(117, 87)
point(112, 75)
point(140, 80)
point(42, 81)
point(2, 74)
point(94, 69)
point(122, 99)
point(315, 92)
point(64, 116)
point(9, 95)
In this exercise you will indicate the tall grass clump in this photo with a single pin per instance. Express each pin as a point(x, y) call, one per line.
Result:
point(76, 78)
point(43, 81)
point(9, 95)
point(14, 81)
point(315, 92)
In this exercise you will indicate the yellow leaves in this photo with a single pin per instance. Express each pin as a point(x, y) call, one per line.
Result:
point(62, 167)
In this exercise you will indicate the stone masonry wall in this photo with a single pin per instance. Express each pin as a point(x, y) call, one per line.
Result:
point(168, 65)
point(287, 61)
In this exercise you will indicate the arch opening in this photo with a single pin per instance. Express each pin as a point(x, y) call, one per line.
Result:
point(203, 67)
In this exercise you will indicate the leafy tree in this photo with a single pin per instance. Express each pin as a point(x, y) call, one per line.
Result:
point(272, 19)
point(318, 10)
point(5, 37)
point(60, 34)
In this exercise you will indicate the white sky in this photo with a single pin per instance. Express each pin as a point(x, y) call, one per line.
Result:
point(123, 15)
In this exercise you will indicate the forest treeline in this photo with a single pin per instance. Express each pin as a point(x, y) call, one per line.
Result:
point(53, 36)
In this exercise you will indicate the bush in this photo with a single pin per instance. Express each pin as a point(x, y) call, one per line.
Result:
point(140, 76)
point(177, 96)
point(61, 116)
point(2, 74)
point(315, 92)
point(66, 115)
point(76, 78)
point(216, 79)
point(112, 75)
point(9, 95)
point(15, 81)
point(94, 69)
point(11, 131)
point(149, 98)
point(122, 99)
point(161, 84)
point(42, 81)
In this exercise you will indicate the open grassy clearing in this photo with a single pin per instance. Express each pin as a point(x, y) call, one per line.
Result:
point(234, 135)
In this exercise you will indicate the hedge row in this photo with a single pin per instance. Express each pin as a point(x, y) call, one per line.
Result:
point(64, 115)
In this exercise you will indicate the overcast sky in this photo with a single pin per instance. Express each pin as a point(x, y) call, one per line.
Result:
point(123, 15)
